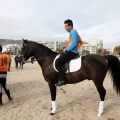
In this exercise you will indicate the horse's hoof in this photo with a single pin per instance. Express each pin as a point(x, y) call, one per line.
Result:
point(98, 114)
point(52, 113)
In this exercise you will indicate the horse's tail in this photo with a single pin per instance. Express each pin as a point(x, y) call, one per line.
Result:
point(114, 68)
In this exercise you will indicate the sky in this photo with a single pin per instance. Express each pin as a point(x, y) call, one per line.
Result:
point(44, 19)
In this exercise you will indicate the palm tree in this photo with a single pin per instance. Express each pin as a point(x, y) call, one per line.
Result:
point(85, 52)
point(117, 50)
point(99, 51)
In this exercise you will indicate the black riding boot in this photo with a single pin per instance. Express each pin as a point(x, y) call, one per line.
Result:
point(1, 99)
point(62, 80)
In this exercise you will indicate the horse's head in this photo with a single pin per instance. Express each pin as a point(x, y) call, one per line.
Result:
point(25, 51)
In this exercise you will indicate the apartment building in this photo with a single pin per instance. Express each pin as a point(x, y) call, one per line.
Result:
point(53, 45)
point(93, 46)
point(14, 48)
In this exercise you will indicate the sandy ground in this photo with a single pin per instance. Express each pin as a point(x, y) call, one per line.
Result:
point(31, 98)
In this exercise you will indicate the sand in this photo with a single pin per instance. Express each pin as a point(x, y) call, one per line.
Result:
point(31, 98)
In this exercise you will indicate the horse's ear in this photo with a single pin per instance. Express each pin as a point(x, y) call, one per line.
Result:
point(25, 41)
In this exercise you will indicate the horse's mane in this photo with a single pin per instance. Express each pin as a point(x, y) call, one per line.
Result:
point(49, 51)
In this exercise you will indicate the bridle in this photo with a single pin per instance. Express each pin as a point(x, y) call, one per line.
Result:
point(26, 50)
point(27, 54)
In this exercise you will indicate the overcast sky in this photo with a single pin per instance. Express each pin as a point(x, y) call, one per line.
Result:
point(44, 19)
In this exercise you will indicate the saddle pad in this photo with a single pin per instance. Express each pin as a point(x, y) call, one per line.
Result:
point(74, 65)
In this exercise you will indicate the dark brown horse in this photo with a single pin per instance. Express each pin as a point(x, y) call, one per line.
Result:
point(93, 67)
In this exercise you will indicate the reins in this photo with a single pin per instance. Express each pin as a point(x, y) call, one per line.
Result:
point(27, 53)
point(39, 59)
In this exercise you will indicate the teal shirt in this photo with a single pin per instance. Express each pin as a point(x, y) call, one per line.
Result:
point(75, 41)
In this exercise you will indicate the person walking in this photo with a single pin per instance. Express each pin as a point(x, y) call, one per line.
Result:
point(4, 65)
point(16, 61)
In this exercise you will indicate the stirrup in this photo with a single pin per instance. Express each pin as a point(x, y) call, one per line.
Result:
point(60, 83)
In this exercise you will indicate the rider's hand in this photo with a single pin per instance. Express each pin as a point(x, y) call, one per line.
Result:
point(64, 50)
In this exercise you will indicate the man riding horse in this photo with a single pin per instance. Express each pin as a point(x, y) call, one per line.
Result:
point(74, 43)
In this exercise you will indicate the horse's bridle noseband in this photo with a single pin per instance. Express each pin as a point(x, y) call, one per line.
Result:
point(25, 50)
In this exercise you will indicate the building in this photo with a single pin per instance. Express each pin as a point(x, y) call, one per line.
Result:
point(93, 46)
point(53, 45)
point(14, 48)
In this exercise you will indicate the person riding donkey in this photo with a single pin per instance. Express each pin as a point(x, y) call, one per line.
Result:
point(4, 66)
point(74, 43)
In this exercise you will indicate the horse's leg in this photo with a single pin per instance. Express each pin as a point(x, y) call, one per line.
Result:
point(19, 66)
point(53, 97)
point(1, 95)
point(102, 93)
point(22, 65)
